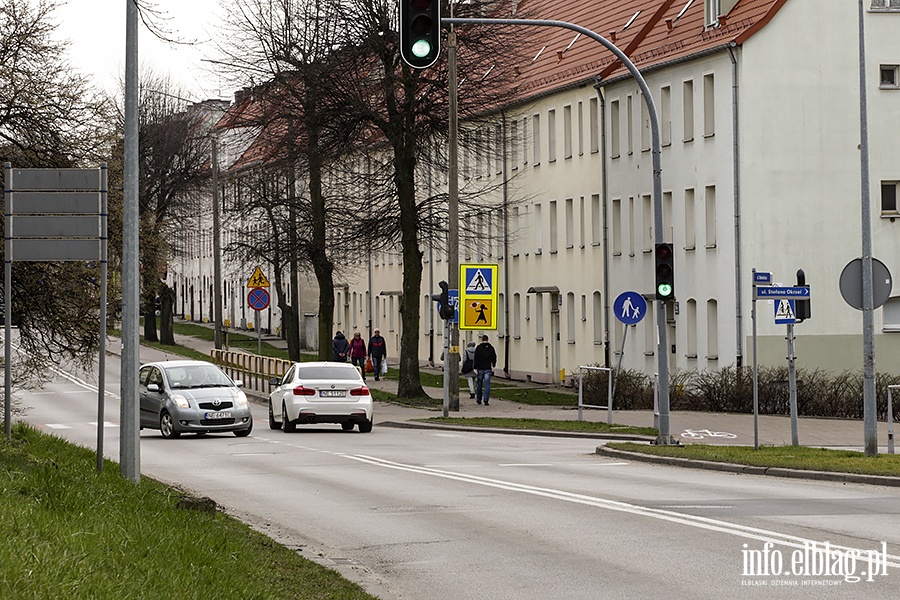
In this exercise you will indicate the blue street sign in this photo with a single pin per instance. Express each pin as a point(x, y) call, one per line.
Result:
point(772, 293)
point(630, 307)
point(453, 295)
point(762, 277)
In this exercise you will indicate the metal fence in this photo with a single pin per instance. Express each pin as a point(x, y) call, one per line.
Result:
point(254, 370)
point(609, 392)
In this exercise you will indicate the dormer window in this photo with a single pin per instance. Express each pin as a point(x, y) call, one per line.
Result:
point(715, 8)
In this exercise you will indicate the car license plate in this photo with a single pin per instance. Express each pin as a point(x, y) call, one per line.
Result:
point(222, 414)
point(332, 393)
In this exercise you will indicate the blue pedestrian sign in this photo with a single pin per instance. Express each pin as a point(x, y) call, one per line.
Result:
point(630, 307)
point(785, 312)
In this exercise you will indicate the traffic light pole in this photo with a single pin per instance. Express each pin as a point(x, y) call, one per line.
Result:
point(664, 438)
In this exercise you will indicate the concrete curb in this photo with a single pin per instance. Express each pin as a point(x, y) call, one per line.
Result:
point(750, 470)
point(620, 437)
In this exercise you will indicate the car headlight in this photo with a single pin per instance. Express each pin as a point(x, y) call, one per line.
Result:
point(180, 401)
point(242, 399)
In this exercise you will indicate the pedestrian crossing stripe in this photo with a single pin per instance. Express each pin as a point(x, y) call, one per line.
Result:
point(478, 281)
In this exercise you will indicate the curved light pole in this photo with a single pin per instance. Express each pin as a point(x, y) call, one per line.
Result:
point(664, 437)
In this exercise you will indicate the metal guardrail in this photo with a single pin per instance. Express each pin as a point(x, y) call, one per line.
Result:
point(254, 370)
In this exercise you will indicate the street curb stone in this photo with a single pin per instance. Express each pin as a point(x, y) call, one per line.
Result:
point(751, 470)
point(619, 437)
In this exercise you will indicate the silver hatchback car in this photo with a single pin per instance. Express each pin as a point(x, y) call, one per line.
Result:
point(192, 396)
point(320, 392)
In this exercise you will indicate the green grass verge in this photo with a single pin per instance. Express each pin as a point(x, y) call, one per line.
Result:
point(791, 457)
point(543, 425)
point(70, 532)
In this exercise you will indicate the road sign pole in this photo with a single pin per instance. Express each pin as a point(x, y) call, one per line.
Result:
point(792, 386)
point(755, 370)
point(258, 334)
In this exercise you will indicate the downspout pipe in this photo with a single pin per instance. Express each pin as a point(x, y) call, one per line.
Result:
point(736, 176)
point(604, 192)
point(507, 343)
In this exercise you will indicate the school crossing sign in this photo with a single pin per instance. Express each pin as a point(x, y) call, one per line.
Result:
point(478, 296)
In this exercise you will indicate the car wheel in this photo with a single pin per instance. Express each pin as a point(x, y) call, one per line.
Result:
point(167, 426)
point(365, 427)
point(347, 426)
point(286, 425)
point(273, 424)
point(244, 432)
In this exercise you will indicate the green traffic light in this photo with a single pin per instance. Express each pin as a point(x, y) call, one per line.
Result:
point(421, 48)
point(664, 290)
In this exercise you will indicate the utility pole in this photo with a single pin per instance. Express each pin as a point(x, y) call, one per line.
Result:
point(451, 357)
point(217, 245)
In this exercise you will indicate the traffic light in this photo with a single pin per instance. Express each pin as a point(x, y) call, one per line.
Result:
point(446, 309)
point(420, 32)
point(665, 272)
point(802, 309)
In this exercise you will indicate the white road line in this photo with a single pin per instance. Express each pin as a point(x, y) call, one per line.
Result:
point(525, 465)
point(105, 424)
point(57, 426)
point(754, 533)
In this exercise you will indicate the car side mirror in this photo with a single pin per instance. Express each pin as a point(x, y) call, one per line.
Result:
point(153, 387)
point(274, 381)
point(239, 382)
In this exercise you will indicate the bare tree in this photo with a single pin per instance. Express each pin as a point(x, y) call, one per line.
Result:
point(50, 117)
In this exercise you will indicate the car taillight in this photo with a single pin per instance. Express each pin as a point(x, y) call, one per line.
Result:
point(302, 391)
point(363, 391)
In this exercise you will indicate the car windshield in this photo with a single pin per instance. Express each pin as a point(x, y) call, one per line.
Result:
point(327, 372)
point(197, 376)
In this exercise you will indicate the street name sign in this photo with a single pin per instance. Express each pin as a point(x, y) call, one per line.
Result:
point(772, 293)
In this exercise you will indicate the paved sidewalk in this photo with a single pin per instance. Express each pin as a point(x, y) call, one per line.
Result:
point(699, 427)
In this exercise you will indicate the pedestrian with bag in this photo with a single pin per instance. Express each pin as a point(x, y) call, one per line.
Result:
point(468, 367)
point(358, 353)
point(485, 360)
point(377, 352)
point(340, 347)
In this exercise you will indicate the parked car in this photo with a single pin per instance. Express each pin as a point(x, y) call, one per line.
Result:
point(192, 396)
point(320, 392)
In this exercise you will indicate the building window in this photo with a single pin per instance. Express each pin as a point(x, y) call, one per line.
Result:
point(665, 101)
point(514, 143)
point(597, 307)
point(629, 124)
point(885, 4)
point(580, 129)
point(688, 96)
point(517, 316)
point(709, 105)
point(498, 149)
point(614, 128)
point(891, 314)
point(581, 221)
point(668, 233)
point(890, 77)
point(554, 227)
point(570, 318)
point(889, 198)
point(539, 317)
point(536, 139)
point(617, 227)
point(647, 213)
point(692, 328)
point(538, 229)
point(649, 325)
point(631, 226)
point(514, 241)
point(690, 238)
point(594, 125)
point(567, 132)
point(712, 330)
point(570, 224)
point(596, 221)
point(710, 216)
point(551, 135)
point(645, 125)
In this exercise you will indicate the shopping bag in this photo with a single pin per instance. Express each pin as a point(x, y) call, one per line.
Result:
point(384, 367)
point(369, 367)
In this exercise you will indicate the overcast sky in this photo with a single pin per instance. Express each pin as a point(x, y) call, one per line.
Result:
point(96, 31)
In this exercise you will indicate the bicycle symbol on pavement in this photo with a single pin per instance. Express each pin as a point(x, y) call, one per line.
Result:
point(699, 434)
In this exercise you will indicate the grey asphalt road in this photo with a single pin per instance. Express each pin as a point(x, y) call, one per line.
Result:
point(437, 515)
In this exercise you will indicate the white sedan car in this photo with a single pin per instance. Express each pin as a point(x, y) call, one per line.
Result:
point(320, 392)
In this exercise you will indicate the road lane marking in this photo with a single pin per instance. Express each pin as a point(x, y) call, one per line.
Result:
point(525, 465)
point(743, 531)
point(57, 426)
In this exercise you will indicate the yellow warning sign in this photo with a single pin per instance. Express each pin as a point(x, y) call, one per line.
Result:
point(478, 297)
point(479, 314)
point(258, 280)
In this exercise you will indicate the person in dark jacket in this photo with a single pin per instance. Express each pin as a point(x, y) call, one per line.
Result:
point(485, 361)
point(341, 347)
point(377, 352)
point(358, 353)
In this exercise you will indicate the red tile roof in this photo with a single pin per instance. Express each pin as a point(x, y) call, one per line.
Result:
point(649, 32)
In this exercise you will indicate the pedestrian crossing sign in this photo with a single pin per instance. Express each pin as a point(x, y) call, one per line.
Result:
point(785, 312)
point(478, 296)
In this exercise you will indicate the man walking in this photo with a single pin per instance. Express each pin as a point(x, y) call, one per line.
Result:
point(377, 352)
point(485, 361)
